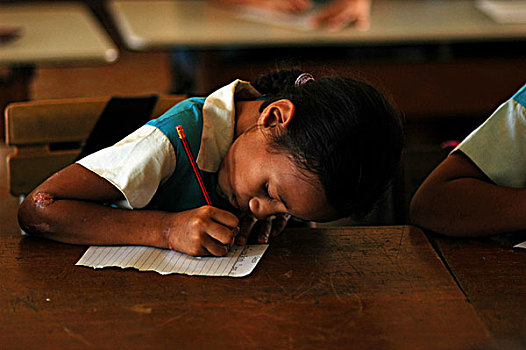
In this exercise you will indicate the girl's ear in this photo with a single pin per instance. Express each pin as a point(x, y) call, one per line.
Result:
point(278, 113)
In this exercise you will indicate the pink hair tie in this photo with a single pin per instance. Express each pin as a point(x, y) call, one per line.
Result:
point(303, 78)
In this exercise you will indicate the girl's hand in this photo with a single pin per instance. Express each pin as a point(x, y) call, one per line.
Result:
point(262, 229)
point(202, 231)
point(339, 13)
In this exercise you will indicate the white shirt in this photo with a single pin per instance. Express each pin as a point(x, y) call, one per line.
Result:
point(498, 146)
point(138, 164)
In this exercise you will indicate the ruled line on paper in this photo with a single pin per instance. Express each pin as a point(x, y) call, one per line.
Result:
point(239, 262)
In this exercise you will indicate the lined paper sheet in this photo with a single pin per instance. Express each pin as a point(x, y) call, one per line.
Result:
point(239, 262)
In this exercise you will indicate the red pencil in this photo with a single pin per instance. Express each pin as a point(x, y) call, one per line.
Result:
point(182, 136)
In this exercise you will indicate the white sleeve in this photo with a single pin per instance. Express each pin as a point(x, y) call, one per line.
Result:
point(136, 165)
point(498, 147)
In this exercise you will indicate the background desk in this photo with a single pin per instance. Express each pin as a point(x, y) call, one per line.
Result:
point(55, 33)
point(418, 50)
point(146, 25)
point(360, 288)
point(434, 57)
point(51, 34)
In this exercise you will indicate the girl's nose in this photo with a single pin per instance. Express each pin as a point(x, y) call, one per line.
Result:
point(261, 209)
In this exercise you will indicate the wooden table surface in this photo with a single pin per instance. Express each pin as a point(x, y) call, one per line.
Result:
point(492, 274)
point(327, 288)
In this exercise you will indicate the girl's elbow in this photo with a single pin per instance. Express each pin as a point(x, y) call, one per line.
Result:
point(419, 209)
point(425, 212)
point(32, 212)
point(430, 214)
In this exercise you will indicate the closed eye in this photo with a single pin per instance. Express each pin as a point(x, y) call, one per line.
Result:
point(265, 188)
point(270, 198)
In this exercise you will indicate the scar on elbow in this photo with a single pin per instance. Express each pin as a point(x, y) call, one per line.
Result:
point(43, 199)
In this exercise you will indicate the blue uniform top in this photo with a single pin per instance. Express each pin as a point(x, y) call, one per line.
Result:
point(182, 191)
point(150, 166)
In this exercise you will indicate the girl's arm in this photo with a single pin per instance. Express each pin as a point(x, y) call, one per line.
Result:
point(458, 199)
point(69, 207)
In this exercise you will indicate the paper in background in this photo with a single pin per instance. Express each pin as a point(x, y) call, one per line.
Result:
point(504, 11)
point(301, 21)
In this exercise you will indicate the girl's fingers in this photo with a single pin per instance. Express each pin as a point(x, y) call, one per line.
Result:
point(214, 247)
point(264, 229)
point(279, 224)
point(221, 233)
point(246, 225)
point(223, 217)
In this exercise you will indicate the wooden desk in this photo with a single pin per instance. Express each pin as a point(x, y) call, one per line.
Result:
point(409, 50)
point(334, 288)
point(491, 273)
point(51, 34)
point(146, 25)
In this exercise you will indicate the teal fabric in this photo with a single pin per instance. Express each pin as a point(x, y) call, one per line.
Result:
point(181, 191)
point(520, 96)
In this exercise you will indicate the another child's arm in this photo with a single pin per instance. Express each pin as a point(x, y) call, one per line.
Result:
point(458, 199)
point(337, 14)
point(69, 207)
point(286, 6)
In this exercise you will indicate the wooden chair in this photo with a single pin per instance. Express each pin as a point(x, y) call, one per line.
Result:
point(47, 136)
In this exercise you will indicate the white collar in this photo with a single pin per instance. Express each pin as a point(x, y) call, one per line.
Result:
point(219, 119)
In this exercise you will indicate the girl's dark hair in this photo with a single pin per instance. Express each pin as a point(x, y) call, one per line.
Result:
point(344, 131)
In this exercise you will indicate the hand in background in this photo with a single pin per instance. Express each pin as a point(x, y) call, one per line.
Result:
point(339, 13)
point(286, 6)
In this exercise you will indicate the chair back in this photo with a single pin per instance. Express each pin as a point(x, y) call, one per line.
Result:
point(48, 135)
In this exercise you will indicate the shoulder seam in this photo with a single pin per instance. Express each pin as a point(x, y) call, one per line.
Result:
point(520, 96)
